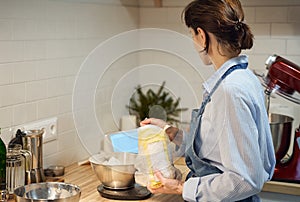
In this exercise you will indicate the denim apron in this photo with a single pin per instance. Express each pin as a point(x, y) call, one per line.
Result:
point(198, 165)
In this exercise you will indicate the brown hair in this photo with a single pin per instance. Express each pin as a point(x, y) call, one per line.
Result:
point(224, 19)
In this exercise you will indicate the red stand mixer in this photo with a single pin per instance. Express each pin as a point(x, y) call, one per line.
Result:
point(283, 78)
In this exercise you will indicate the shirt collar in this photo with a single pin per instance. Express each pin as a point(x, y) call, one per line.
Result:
point(212, 80)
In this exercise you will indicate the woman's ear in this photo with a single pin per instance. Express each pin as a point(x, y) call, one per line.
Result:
point(201, 37)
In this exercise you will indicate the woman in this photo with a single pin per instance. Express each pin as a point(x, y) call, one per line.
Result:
point(229, 150)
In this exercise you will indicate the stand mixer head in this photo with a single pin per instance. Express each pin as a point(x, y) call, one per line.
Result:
point(283, 78)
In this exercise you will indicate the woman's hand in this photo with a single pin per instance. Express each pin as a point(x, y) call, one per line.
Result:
point(170, 131)
point(157, 122)
point(169, 186)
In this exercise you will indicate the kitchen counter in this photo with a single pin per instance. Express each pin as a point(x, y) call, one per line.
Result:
point(84, 177)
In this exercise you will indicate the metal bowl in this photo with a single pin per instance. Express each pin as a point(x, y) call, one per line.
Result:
point(56, 170)
point(281, 129)
point(117, 176)
point(47, 191)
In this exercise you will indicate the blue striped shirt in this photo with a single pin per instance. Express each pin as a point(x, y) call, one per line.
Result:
point(235, 137)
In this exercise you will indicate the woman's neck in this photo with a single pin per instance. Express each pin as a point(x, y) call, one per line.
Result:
point(217, 53)
point(219, 60)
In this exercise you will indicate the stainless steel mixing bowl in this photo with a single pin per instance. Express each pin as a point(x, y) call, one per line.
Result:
point(47, 191)
point(281, 129)
point(120, 175)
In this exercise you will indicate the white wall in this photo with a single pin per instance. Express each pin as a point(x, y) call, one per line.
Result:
point(44, 42)
point(42, 45)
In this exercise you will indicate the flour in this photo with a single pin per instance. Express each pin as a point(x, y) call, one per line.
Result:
point(154, 154)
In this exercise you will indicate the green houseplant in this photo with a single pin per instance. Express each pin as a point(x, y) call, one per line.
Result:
point(159, 104)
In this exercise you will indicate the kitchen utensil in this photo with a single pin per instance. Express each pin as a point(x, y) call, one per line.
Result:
point(18, 163)
point(48, 191)
point(289, 170)
point(115, 176)
point(56, 171)
point(115, 172)
point(283, 78)
point(32, 141)
point(137, 192)
point(281, 129)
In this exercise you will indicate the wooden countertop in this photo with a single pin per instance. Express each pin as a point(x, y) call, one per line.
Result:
point(84, 177)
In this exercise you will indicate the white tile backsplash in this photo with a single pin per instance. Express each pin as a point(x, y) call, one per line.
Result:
point(11, 51)
point(55, 87)
point(24, 29)
point(36, 90)
point(47, 108)
point(293, 47)
point(65, 104)
point(249, 14)
point(65, 123)
point(46, 29)
point(62, 11)
point(260, 30)
point(65, 139)
point(24, 113)
point(50, 148)
point(46, 69)
point(285, 30)
point(6, 73)
point(294, 14)
point(65, 29)
point(62, 48)
point(270, 46)
point(44, 42)
point(12, 94)
point(271, 14)
point(6, 117)
point(34, 50)
point(24, 71)
point(5, 29)
point(69, 66)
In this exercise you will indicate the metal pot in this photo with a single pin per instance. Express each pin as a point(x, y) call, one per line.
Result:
point(281, 129)
point(47, 191)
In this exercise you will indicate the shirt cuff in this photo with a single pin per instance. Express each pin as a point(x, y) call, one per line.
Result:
point(166, 127)
point(190, 189)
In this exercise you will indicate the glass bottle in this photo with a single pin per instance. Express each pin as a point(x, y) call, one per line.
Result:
point(3, 189)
